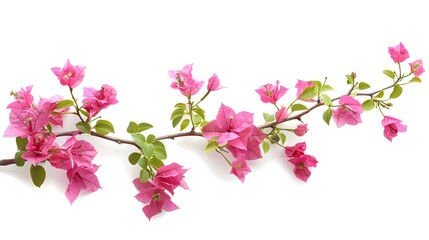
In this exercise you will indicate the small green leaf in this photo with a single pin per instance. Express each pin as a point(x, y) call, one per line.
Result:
point(21, 143)
point(132, 128)
point(185, 124)
point(64, 103)
point(143, 162)
point(282, 137)
point(158, 143)
point(201, 112)
point(134, 157)
point(326, 99)
point(380, 94)
point(353, 94)
point(327, 115)
point(363, 86)
point(150, 138)
point(139, 139)
point(38, 175)
point(160, 153)
point(19, 161)
point(176, 120)
point(326, 87)
point(49, 127)
point(85, 113)
point(389, 74)
point(275, 138)
point(148, 149)
point(177, 112)
point(309, 93)
point(180, 105)
point(368, 105)
point(144, 175)
point(266, 146)
point(268, 117)
point(84, 127)
point(156, 163)
point(415, 80)
point(397, 91)
point(197, 119)
point(298, 107)
point(317, 83)
point(211, 146)
point(144, 126)
point(350, 79)
point(104, 127)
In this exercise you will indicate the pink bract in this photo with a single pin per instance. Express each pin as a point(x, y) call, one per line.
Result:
point(81, 178)
point(23, 99)
point(398, 53)
point(213, 83)
point(392, 126)
point(417, 68)
point(295, 151)
point(69, 75)
point(301, 165)
point(182, 80)
point(37, 149)
point(301, 129)
point(301, 86)
point(281, 114)
point(348, 112)
point(96, 100)
point(170, 177)
point(270, 93)
point(240, 168)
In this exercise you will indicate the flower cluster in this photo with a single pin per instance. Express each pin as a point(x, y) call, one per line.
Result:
point(233, 135)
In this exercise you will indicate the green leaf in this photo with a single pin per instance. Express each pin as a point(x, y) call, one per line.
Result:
point(275, 138)
point(363, 86)
point(317, 83)
point(64, 103)
point(368, 105)
point(134, 157)
point(19, 161)
point(176, 120)
point(211, 146)
point(380, 94)
point(104, 127)
point(389, 74)
point(132, 128)
point(350, 79)
point(326, 87)
point(21, 143)
point(158, 143)
point(201, 112)
point(139, 139)
point(38, 175)
point(268, 117)
point(266, 146)
point(185, 124)
point(160, 153)
point(148, 149)
point(327, 115)
point(326, 99)
point(49, 127)
point(309, 93)
point(150, 138)
point(143, 126)
point(84, 127)
point(143, 162)
point(282, 137)
point(144, 175)
point(415, 80)
point(177, 112)
point(156, 163)
point(298, 107)
point(85, 113)
point(197, 119)
point(180, 105)
point(397, 91)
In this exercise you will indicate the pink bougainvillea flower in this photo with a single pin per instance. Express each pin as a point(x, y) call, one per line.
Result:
point(155, 198)
point(81, 178)
point(301, 129)
point(270, 93)
point(56, 116)
point(37, 149)
point(69, 75)
point(237, 132)
point(348, 112)
point(96, 100)
point(295, 151)
point(240, 168)
point(281, 114)
point(301, 164)
point(392, 126)
point(23, 99)
point(301, 86)
point(170, 176)
point(398, 53)
point(182, 80)
point(417, 68)
point(214, 83)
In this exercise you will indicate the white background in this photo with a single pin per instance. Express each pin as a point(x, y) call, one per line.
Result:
point(364, 187)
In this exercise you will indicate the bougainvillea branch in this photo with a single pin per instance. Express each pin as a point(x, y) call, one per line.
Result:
point(233, 135)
